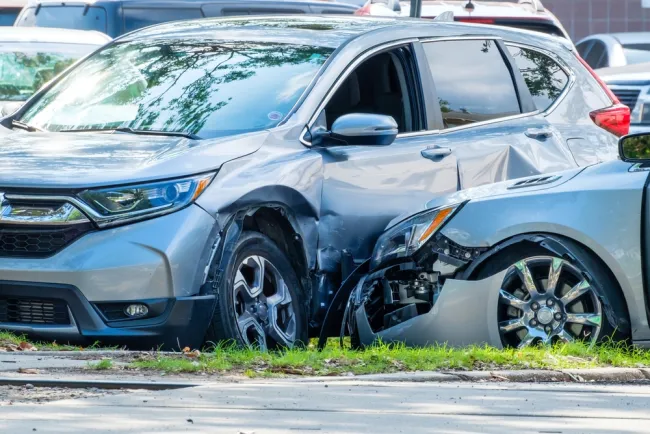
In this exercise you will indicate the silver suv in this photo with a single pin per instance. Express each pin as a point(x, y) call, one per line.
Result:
point(217, 179)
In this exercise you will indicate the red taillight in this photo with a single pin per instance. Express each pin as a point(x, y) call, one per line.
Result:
point(600, 81)
point(615, 119)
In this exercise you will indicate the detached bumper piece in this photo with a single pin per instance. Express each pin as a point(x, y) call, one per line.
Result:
point(60, 313)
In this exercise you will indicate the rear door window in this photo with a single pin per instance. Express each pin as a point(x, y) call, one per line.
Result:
point(544, 77)
point(65, 17)
point(595, 55)
point(472, 81)
point(135, 18)
point(8, 16)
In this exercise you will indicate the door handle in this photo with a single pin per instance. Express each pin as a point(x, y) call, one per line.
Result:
point(539, 133)
point(435, 152)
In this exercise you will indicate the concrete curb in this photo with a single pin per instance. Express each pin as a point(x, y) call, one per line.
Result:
point(601, 375)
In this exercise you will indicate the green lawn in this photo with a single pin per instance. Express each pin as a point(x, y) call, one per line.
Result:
point(384, 358)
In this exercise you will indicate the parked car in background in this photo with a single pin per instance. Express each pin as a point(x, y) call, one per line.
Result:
point(143, 208)
point(29, 58)
point(615, 49)
point(631, 85)
point(116, 17)
point(9, 10)
point(523, 14)
point(554, 258)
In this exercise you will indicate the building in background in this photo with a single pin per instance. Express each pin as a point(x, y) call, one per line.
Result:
point(586, 17)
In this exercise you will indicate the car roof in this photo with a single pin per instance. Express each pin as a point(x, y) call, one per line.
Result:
point(323, 30)
point(43, 34)
point(632, 37)
point(482, 8)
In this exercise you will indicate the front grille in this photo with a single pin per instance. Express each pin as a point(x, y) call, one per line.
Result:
point(38, 242)
point(33, 311)
point(627, 96)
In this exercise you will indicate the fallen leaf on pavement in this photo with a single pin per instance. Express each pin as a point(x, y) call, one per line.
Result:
point(26, 346)
point(27, 371)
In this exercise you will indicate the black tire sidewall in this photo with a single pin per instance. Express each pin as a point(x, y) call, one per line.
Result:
point(223, 326)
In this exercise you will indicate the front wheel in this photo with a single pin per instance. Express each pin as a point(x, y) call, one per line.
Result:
point(260, 303)
point(545, 299)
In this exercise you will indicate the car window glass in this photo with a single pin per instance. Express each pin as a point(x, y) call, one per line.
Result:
point(66, 17)
point(135, 18)
point(583, 48)
point(544, 77)
point(472, 81)
point(595, 54)
point(8, 16)
point(636, 53)
point(210, 88)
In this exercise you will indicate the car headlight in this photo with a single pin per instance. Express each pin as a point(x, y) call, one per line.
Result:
point(407, 237)
point(115, 205)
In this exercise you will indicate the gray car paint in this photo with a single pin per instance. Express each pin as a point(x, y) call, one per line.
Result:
point(335, 198)
point(600, 208)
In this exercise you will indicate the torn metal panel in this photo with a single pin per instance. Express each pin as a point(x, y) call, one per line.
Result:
point(464, 314)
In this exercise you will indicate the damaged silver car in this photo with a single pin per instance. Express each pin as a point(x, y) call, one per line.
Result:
point(558, 257)
point(216, 179)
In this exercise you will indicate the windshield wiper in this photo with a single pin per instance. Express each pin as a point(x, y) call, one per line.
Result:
point(135, 131)
point(24, 126)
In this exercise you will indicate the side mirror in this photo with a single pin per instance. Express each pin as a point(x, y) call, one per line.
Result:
point(364, 129)
point(635, 147)
point(10, 108)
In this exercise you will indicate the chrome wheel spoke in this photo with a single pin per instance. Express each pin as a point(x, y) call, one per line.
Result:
point(282, 320)
point(252, 331)
point(577, 291)
point(527, 340)
point(242, 287)
point(565, 336)
point(554, 275)
point(511, 300)
point(527, 278)
point(511, 325)
point(590, 319)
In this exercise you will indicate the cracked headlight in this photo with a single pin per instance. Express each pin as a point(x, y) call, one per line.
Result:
point(109, 206)
point(406, 237)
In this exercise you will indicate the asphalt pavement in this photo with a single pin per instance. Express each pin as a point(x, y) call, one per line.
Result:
point(286, 406)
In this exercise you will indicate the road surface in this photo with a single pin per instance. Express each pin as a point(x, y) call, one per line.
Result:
point(265, 407)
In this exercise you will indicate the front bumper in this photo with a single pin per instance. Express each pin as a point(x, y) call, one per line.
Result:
point(182, 321)
point(162, 261)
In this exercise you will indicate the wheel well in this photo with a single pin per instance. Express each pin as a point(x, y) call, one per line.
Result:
point(274, 223)
point(559, 245)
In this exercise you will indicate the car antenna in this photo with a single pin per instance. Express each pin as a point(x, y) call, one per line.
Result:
point(445, 17)
point(469, 7)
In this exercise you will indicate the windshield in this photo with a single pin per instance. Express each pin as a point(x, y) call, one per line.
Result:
point(194, 86)
point(25, 68)
point(64, 17)
point(636, 53)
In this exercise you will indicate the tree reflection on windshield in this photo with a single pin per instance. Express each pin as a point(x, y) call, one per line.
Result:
point(207, 88)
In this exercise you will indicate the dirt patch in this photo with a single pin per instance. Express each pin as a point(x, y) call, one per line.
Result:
point(10, 395)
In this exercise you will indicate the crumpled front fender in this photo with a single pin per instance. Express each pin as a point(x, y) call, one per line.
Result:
point(464, 314)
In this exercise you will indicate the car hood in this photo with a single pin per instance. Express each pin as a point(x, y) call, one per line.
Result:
point(513, 186)
point(80, 160)
point(639, 72)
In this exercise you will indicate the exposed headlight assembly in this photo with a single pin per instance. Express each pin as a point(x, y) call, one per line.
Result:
point(110, 206)
point(405, 238)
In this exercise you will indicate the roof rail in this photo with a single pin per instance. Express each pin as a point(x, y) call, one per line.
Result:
point(445, 17)
point(536, 4)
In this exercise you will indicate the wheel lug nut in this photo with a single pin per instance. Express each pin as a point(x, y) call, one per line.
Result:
point(558, 316)
point(533, 323)
point(548, 329)
point(550, 302)
point(535, 306)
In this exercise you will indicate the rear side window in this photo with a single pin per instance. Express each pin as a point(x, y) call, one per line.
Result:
point(65, 17)
point(8, 16)
point(472, 81)
point(596, 55)
point(135, 18)
point(544, 77)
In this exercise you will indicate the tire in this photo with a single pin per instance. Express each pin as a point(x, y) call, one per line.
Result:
point(248, 306)
point(586, 305)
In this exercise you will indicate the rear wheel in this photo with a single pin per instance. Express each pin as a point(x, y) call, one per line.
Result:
point(545, 299)
point(260, 302)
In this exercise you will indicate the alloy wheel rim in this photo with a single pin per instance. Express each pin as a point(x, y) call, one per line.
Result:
point(545, 300)
point(263, 305)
